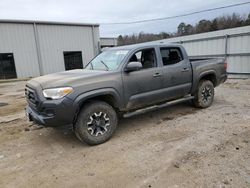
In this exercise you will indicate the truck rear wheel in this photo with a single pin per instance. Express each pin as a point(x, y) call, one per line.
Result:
point(96, 123)
point(204, 95)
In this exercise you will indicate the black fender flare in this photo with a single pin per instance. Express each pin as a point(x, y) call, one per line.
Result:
point(203, 74)
point(95, 93)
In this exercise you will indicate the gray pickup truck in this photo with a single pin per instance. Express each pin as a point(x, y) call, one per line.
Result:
point(122, 81)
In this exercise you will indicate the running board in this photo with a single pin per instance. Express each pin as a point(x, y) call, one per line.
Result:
point(155, 107)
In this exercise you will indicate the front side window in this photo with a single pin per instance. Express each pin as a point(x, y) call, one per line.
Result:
point(171, 56)
point(147, 57)
point(108, 60)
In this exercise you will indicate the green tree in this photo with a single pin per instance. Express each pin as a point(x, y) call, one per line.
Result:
point(181, 28)
point(203, 26)
point(120, 40)
point(247, 21)
point(164, 35)
point(189, 29)
point(214, 25)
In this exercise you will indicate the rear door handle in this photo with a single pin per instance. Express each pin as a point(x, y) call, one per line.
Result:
point(157, 74)
point(185, 70)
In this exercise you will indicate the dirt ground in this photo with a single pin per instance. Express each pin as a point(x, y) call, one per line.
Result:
point(178, 146)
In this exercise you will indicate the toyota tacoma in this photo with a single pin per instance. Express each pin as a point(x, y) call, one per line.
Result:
point(122, 81)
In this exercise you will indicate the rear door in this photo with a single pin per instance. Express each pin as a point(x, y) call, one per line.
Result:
point(142, 87)
point(177, 73)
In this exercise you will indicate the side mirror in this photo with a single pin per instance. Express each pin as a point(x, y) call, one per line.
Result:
point(133, 66)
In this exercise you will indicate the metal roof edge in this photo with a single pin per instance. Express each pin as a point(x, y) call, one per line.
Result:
point(108, 38)
point(205, 35)
point(48, 22)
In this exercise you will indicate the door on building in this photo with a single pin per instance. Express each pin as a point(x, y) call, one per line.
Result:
point(73, 60)
point(7, 66)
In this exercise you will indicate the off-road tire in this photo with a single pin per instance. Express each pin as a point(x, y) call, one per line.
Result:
point(88, 130)
point(204, 94)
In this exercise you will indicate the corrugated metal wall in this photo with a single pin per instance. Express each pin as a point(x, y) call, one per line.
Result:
point(19, 40)
point(55, 39)
point(234, 44)
point(108, 42)
point(38, 48)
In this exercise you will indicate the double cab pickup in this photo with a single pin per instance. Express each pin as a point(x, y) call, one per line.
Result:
point(122, 81)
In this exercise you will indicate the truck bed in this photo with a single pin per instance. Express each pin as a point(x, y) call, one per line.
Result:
point(193, 59)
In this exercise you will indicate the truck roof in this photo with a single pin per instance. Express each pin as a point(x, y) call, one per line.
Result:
point(144, 45)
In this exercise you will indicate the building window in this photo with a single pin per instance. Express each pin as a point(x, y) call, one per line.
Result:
point(73, 60)
point(7, 66)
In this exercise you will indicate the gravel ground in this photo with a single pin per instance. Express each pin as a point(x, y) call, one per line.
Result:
point(178, 146)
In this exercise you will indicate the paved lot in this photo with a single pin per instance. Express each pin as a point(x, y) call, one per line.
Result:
point(177, 146)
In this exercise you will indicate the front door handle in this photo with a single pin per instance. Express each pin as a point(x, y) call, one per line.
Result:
point(157, 74)
point(185, 69)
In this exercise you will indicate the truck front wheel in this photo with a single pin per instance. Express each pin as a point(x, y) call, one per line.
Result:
point(96, 123)
point(204, 95)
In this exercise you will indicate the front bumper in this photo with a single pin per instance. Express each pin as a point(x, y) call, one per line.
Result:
point(50, 113)
point(36, 118)
point(53, 113)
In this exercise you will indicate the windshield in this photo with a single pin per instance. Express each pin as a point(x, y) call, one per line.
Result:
point(107, 60)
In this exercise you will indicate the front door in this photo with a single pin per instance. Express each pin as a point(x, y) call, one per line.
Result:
point(142, 87)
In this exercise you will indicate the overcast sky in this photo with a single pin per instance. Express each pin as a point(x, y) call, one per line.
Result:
point(100, 11)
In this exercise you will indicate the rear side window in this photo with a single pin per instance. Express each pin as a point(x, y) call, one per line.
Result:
point(171, 56)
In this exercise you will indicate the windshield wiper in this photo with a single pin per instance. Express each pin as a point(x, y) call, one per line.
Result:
point(92, 65)
point(105, 65)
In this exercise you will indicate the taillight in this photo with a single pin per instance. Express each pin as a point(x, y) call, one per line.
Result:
point(225, 64)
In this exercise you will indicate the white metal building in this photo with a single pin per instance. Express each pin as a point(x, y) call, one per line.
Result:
point(33, 48)
point(234, 44)
point(108, 42)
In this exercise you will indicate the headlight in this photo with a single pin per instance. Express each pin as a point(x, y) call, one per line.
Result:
point(57, 93)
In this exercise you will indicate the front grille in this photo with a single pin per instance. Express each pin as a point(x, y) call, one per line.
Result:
point(31, 96)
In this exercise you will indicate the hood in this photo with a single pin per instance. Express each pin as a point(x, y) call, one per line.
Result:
point(66, 78)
